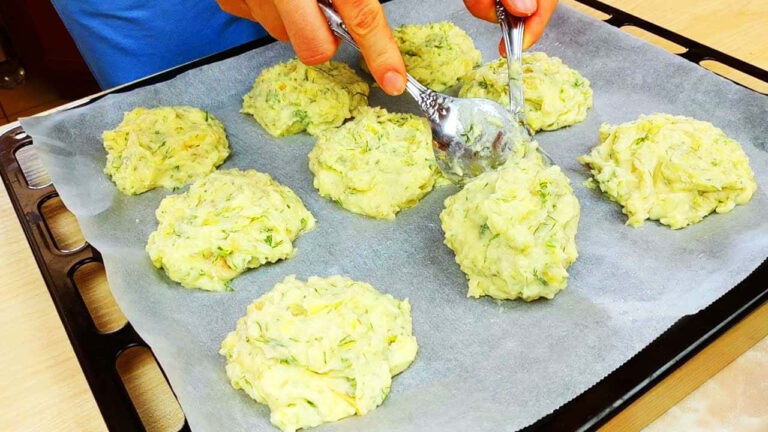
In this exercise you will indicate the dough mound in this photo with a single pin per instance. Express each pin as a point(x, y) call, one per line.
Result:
point(291, 97)
point(513, 231)
point(556, 96)
point(320, 350)
point(437, 54)
point(224, 224)
point(375, 164)
point(163, 147)
point(669, 168)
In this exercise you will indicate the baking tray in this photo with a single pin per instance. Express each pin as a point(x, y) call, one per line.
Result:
point(97, 352)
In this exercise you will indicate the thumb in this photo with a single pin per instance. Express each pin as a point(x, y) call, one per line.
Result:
point(366, 22)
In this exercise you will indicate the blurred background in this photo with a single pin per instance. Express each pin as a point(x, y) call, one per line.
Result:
point(40, 66)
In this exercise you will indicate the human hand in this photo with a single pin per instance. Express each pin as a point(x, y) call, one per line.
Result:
point(303, 23)
point(536, 12)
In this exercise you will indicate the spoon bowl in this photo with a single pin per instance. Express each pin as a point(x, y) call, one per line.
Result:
point(470, 136)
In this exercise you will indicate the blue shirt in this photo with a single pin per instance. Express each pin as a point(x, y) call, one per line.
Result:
point(124, 40)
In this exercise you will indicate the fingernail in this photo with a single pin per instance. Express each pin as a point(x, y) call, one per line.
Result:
point(526, 7)
point(393, 83)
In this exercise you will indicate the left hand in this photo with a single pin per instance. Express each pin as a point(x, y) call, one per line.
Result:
point(303, 23)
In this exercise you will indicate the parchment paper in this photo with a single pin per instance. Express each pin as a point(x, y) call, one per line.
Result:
point(482, 364)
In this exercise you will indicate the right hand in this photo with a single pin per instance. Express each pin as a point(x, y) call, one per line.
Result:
point(536, 13)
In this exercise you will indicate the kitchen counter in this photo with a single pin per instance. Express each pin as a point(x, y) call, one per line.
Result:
point(42, 387)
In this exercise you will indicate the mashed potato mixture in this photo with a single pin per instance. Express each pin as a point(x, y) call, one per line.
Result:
point(670, 168)
point(556, 96)
point(437, 54)
point(163, 147)
point(224, 224)
point(320, 350)
point(377, 163)
point(513, 231)
point(291, 97)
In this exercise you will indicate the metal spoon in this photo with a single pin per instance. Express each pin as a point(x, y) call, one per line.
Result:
point(512, 31)
point(470, 136)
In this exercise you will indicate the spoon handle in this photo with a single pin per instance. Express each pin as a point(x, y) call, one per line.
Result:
point(512, 29)
point(335, 23)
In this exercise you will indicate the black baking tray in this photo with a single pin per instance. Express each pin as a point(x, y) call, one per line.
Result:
point(97, 352)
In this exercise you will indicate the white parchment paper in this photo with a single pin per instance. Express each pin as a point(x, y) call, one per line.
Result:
point(482, 364)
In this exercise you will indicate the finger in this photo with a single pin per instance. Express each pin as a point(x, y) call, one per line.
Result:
point(367, 24)
point(308, 30)
point(265, 13)
point(535, 25)
point(236, 7)
point(521, 8)
point(483, 9)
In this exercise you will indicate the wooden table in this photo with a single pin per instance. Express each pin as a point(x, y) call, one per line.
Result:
point(43, 389)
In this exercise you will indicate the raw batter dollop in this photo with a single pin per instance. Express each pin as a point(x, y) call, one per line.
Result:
point(669, 168)
point(375, 164)
point(291, 97)
point(513, 231)
point(556, 96)
point(436, 54)
point(163, 147)
point(224, 224)
point(320, 350)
